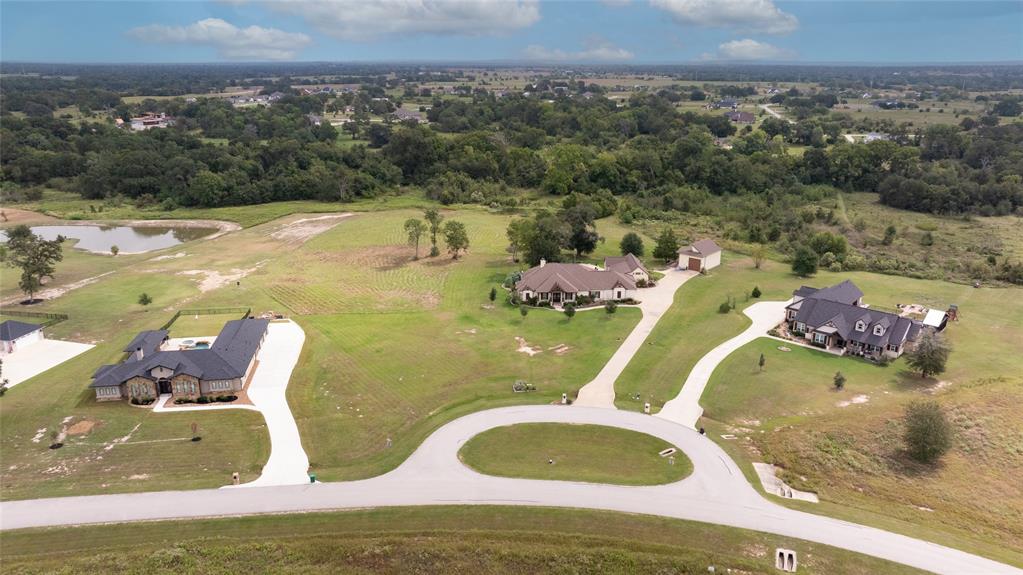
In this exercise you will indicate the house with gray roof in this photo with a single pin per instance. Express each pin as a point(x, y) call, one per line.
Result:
point(18, 334)
point(558, 284)
point(834, 318)
point(151, 369)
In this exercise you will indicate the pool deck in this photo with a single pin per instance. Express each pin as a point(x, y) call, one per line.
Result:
point(175, 343)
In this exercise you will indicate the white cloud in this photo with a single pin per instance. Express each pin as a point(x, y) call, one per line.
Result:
point(750, 15)
point(616, 3)
point(252, 43)
point(369, 19)
point(748, 49)
point(594, 50)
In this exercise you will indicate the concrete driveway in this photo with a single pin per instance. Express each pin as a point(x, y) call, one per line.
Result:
point(288, 463)
point(31, 360)
point(717, 492)
point(685, 408)
point(655, 301)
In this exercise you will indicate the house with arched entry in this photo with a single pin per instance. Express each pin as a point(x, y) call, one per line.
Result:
point(150, 369)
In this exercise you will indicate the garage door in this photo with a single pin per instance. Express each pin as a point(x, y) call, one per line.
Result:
point(694, 264)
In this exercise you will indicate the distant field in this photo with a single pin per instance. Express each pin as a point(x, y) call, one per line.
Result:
point(456, 539)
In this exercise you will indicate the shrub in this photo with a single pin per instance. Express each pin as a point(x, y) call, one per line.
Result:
point(202, 399)
point(725, 307)
point(226, 398)
point(569, 311)
point(756, 293)
point(610, 308)
point(839, 380)
point(928, 433)
point(641, 283)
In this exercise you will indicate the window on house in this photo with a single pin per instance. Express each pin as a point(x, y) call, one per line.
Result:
point(800, 327)
point(892, 347)
point(820, 338)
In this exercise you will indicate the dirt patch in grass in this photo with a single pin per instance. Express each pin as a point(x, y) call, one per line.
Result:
point(527, 349)
point(302, 230)
point(15, 217)
point(82, 427)
point(854, 401)
point(212, 279)
point(56, 292)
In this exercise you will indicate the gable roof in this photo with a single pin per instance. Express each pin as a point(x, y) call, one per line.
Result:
point(844, 292)
point(700, 249)
point(571, 278)
point(624, 264)
point(228, 358)
point(836, 306)
point(11, 330)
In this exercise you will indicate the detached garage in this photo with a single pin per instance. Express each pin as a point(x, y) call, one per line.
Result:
point(18, 334)
point(701, 256)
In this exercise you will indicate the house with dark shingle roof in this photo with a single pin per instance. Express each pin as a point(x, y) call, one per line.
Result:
point(18, 334)
point(629, 265)
point(834, 318)
point(562, 283)
point(150, 370)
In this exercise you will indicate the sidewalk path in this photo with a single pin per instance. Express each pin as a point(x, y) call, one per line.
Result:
point(655, 301)
point(685, 408)
point(288, 463)
point(716, 492)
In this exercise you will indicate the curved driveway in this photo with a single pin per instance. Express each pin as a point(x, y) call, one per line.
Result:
point(656, 300)
point(685, 408)
point(717, 492)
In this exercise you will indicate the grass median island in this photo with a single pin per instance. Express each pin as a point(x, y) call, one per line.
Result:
point(456, 539)
point(590, 453)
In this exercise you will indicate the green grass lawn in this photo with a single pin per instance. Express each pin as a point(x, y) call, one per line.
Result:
point(590, 453)
point(693, 326)
point(394, 348)
point(850, 454)
point(455, 539)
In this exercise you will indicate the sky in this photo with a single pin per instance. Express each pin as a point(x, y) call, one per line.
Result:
point(540, 31)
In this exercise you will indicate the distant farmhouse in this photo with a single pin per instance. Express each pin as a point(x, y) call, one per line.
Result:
point(725, 103)
point(558, 284)
point(740, 117)
point(403, 115)
point(834, 318)
point(150, 121)
point(152, 369)
point(700, 256)
point(15, 335)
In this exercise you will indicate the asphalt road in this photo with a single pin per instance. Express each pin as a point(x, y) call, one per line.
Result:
point(716, 492)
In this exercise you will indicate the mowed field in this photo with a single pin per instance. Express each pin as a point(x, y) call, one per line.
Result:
point(847, 445)
point(570, 452)
point(394, 349)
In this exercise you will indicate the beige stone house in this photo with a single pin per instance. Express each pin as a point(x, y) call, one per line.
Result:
point(558, 284)
point(628, 265)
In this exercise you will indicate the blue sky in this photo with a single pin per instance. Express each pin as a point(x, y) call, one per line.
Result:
point(615, 31)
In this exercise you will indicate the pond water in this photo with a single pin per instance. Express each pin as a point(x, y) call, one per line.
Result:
point(128, 239)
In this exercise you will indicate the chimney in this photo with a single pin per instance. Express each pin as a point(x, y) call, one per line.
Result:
point(543, 262)
point(138, 353)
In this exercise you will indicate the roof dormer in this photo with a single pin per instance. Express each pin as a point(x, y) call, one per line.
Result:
point(861, 325)
point(878, 330)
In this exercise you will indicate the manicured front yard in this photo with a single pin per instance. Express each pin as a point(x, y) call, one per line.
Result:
point(591, 453)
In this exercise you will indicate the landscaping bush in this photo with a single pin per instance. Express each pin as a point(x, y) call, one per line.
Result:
point(203, 399)
point(756, 293)
point(725, 307)
point(226, 398)
point(182, 400)
point(641, 283)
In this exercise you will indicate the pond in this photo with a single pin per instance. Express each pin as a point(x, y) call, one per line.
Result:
point(128, 239)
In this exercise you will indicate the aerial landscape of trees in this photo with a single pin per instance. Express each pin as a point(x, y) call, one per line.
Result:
point(640, 158)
